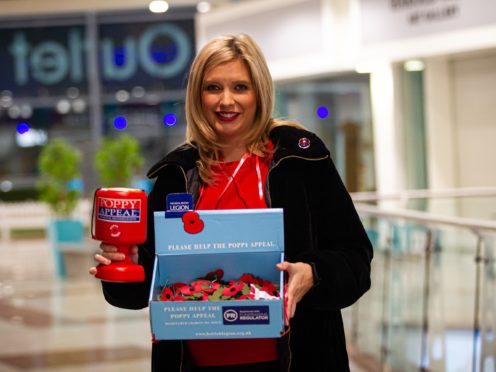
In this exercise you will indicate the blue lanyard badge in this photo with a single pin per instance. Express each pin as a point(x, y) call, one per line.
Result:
point(178, 204)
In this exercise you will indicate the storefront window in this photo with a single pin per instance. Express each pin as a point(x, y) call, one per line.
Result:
point(338, 110)
point(72, 77)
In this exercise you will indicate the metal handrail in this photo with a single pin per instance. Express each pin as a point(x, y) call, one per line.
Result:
point(478, 226)
point(422, 194)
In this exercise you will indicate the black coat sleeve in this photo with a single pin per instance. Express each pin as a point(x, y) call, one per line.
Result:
point(323, 227)
point(340, 249)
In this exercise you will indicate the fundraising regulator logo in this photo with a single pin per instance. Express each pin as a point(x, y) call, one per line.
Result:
point(230, 315)
point(246, 315)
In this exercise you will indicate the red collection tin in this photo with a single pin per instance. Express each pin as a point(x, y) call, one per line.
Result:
point(119, 219)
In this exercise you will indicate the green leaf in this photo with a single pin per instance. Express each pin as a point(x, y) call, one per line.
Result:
point(216, 295)
point(117, 161)
point(58, 164)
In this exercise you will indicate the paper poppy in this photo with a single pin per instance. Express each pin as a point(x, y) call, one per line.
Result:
point(167, 294)
point(178, 297)
point(200, 282)
point(178, 285)
point(189, 290)
point(233, 289)
point(193, 224)
point(248, 278)
point(270, 288)
point(261, 294)
point(211, 287)
point(246, 297)
point(214, 275)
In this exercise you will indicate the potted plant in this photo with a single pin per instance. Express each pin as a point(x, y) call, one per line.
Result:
point(117, 161)
point(59, 168)
point(59, 164)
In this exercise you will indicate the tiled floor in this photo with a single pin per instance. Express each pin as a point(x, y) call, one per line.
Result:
point(49, 324)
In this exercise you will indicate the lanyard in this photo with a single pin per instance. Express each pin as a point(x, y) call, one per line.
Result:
point(230, 180)
point(259, 176)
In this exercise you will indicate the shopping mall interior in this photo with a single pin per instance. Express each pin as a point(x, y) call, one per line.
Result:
point(401, 92)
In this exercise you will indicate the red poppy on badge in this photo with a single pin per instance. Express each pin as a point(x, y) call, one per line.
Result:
point(304, 143)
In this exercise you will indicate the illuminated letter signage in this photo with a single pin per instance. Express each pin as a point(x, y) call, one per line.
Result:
point(128, 54)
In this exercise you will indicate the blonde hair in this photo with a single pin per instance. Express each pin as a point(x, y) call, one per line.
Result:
point(198, 131)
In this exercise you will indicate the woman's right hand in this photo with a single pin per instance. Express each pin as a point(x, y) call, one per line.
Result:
point(109, 253)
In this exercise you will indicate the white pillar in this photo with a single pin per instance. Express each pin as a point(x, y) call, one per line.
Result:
point(440, 124)
point(387, 129)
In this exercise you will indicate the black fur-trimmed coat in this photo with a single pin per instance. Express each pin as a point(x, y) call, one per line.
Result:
point(321, 226)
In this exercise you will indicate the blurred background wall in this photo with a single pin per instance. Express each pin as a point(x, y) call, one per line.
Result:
point(407, 85)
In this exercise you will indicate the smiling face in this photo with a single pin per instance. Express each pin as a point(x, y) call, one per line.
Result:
point(229, 101)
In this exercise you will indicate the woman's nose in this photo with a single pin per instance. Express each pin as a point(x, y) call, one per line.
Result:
point(227, 98)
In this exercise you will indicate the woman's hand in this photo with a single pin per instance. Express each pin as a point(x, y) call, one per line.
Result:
point(109, 254)
point(300, 281)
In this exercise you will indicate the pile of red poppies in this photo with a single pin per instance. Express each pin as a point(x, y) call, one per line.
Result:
point(211, 287)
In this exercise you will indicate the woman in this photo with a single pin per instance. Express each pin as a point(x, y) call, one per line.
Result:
point(237, 156)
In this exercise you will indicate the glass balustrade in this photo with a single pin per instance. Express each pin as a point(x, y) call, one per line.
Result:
point(432, 305)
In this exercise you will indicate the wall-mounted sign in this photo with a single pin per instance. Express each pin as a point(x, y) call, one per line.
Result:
point(54, 58)
point(384, 20)
point(146, 54)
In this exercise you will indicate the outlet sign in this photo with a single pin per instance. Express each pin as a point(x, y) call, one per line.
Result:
point(128, 55)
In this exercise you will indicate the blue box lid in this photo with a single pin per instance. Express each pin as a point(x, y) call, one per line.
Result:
point(220, 231)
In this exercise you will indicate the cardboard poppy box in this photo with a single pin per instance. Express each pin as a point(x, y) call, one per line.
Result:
point(248, 241)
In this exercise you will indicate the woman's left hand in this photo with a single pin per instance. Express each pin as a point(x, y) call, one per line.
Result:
point(300, 281)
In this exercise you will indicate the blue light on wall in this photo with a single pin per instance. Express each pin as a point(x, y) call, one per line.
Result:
point(164, 53)
point(120, 123)
point(22, 128)
point(120, 56)
point(170, 120)
point(322, 112)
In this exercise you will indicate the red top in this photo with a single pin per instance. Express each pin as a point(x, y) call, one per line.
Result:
point(243, 192)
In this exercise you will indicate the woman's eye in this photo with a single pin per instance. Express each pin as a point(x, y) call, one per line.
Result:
point(241, 87)
point(212, 87)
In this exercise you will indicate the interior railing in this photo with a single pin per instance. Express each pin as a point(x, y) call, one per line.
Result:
point(432, 305)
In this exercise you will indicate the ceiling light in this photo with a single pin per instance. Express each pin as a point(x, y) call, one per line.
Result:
point(203, 7)
point(414, 65)
point(158, 6)
point(364, 68)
